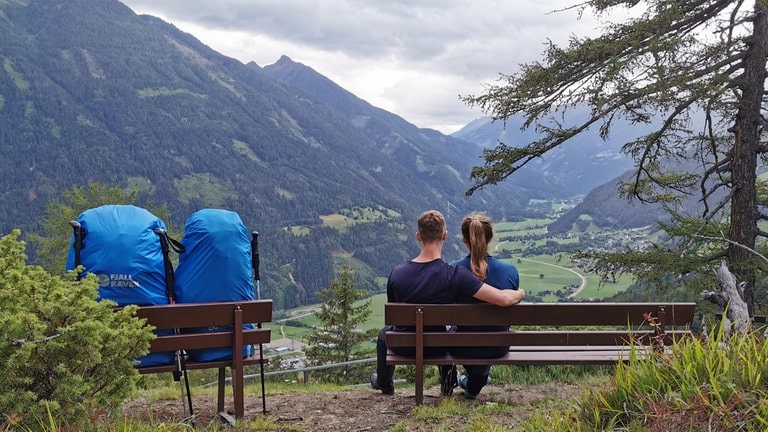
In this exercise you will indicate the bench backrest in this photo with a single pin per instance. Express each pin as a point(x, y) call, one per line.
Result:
point(228, 315)
point(566, 323)
point(538, 314)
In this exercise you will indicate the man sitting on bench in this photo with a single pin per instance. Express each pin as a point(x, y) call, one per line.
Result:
point(429, 279)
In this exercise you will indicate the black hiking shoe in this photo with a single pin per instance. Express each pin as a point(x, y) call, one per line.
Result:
point(375, 384)
point(464, 384)
point(449, 382)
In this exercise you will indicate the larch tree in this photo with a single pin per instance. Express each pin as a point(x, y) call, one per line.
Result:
point(341, 337)
point(692, 72)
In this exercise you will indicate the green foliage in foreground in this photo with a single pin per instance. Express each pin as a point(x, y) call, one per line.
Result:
point(63, 354)
point(710, 384)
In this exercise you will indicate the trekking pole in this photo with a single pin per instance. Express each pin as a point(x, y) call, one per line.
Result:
point(77, 231)
point(255, 263)
point(177, 377)
point(181, 355)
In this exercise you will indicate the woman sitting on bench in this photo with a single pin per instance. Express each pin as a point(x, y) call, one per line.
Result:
point(477, 232)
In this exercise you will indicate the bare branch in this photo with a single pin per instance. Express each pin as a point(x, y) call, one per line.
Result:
point(729, 241)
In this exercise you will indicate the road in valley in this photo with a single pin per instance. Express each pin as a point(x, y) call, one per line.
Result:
point(581, 286)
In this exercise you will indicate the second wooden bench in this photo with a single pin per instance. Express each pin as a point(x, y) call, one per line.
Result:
point(541, 333)
point(227, 318)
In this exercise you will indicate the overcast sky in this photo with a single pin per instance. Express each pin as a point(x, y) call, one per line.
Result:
point(410, 57)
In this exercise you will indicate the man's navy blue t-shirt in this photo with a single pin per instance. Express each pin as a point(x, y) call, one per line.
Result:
point(434, 282)
point(431, 282)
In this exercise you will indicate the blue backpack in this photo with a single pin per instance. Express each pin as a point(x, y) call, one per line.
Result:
point(217, 266)
point(127, 247)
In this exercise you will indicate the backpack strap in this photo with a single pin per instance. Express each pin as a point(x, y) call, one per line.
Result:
point(175, 244)
point(166, 244)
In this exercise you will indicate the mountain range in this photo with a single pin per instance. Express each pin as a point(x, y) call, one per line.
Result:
point(92, 92)
point(572, 169)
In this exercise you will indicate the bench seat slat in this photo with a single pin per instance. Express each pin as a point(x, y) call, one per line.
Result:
point(554, 356)
point(193, 365)
point(472, 339)
point(191, 341)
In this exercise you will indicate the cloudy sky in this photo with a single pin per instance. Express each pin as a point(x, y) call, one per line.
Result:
point(410, 57)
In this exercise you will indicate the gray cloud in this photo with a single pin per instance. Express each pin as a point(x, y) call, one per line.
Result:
point(417, 52)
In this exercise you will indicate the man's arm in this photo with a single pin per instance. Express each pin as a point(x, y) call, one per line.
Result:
point(499, 297)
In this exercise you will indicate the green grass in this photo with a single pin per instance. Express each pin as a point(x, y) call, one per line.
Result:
point(17, 77)
point(347, 217)
point(715, 383)
point(204, 187)
point(536, 277)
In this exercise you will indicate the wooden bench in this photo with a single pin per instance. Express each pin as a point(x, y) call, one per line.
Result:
point(570, 333)
point(220, 314)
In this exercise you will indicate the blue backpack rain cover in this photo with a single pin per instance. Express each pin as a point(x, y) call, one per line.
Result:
point(216, 266)
point(121, 247)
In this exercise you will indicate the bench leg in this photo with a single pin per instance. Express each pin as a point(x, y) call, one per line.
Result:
point(419, 357)
point(237, 392)
point(222, 383)
point(237, 365)
point(419, 384)
point(220, 405)
point(261, 371)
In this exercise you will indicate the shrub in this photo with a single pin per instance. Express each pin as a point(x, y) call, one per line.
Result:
point(65, 354)
point(709, 384)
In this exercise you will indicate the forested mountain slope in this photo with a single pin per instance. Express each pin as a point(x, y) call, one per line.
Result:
point(444, 162)
point(90, 91)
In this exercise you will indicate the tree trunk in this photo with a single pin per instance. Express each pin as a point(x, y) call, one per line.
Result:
point(747, 130)
point(736, 319)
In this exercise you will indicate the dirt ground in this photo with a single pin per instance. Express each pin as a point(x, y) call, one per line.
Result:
point(353, 410)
